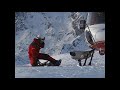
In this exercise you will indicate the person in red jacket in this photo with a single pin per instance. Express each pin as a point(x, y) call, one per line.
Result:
point(34, 54)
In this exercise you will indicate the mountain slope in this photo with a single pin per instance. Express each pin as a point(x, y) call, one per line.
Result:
point(56, 27)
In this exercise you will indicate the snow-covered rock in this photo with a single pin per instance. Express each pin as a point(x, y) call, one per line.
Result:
point(56, 27)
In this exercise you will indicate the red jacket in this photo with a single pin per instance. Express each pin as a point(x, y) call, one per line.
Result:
point(34, 49)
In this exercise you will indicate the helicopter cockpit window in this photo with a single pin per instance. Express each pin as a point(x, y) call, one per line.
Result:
point(89, 37)
point(96, 18)
point(82, 24)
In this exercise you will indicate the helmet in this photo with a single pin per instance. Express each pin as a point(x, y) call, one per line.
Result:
point(38, 37)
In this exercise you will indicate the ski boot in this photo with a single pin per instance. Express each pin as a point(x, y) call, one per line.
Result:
point(55, 63)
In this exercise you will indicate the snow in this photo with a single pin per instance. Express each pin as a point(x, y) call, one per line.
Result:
point(59, 72)
point(60, 39)
point(68, 69)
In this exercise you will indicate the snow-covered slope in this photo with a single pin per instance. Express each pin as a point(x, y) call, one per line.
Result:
point(61, 30)
point(68, 69)
point(56, 27)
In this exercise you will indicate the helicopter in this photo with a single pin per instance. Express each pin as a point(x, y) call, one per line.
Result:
point(94, 29)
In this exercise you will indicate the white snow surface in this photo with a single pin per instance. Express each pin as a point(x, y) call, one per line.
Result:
point(56, 27)
point(68, 69)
